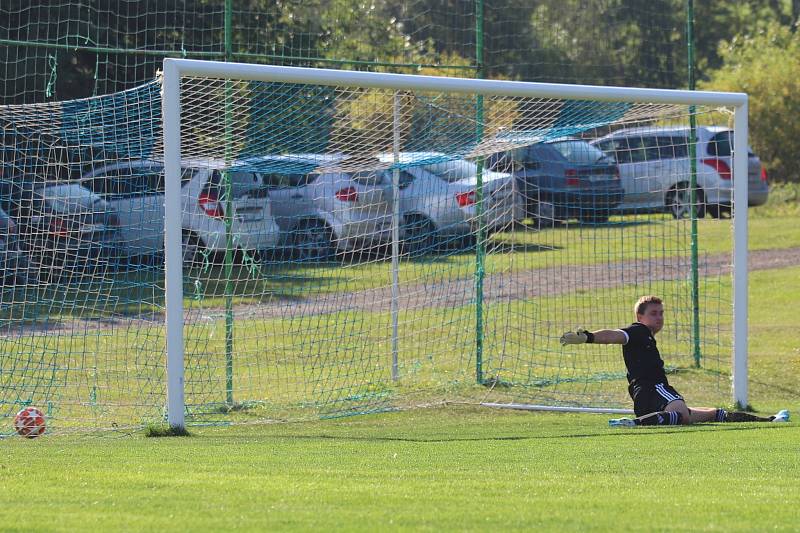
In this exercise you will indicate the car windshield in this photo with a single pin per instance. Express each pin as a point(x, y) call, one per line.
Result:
point(721, 145)
point(69, 198)
point(453, 170)
point(579, 152)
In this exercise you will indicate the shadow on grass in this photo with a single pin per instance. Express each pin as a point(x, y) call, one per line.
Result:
point(163, 430)
point(627, 223)
point(648, 431)
point(491, 247)
point(136, 289)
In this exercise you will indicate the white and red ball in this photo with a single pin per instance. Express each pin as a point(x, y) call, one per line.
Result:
point(30, 422)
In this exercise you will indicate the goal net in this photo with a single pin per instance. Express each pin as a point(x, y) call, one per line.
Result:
point(330, 243)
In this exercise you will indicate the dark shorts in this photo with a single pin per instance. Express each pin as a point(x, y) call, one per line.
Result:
point(651, 397)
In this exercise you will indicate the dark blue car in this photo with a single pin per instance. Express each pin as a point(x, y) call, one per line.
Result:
point(562, 179)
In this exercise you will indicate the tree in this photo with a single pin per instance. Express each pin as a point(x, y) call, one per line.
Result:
point(716, 22)
point(765, 65)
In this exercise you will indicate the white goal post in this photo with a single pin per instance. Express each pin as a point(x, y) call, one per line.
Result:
point(175, 69)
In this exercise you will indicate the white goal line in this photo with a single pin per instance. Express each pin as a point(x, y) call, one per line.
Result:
point(561, 409)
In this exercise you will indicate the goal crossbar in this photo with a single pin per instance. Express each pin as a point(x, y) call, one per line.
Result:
point(377, 80)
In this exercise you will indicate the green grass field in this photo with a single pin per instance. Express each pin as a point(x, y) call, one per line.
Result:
point(451, 467)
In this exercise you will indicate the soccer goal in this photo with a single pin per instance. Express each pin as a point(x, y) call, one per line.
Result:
point(238, 243)
point(424, 307)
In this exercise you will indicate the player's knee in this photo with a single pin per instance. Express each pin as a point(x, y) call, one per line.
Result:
point(684, 415)
point(680, 407)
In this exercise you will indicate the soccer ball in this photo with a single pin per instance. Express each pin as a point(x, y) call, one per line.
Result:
point(29, 422)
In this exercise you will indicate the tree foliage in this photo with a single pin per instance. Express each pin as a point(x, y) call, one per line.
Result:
point(766, 66)
point(103, 48)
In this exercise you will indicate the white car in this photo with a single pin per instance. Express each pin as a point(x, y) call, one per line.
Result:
point(438, 198)
point(323, 210)
point(135, 189)
point(655, 170)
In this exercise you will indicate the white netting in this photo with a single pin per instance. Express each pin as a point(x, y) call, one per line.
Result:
point(514, 227)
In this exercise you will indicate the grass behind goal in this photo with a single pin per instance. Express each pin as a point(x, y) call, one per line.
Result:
point(268, 350)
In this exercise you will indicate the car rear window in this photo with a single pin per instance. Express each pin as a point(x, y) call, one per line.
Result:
point(280, 180)
point(242, 183)
point(453, 170)
point(526, 157)
point(579, 152)
point(367, 178)
point(66, 198)
point(720, 144)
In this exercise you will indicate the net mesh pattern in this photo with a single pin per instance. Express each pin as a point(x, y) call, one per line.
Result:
point(520, 219)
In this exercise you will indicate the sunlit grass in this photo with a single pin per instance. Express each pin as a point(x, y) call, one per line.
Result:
point(432, 469)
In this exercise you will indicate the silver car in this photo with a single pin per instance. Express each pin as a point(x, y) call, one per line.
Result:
point(135, 189)
point(323, 210)
point(655, 170)
point(438, 199)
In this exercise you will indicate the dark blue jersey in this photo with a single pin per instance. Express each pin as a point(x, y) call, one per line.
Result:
point(642, 358)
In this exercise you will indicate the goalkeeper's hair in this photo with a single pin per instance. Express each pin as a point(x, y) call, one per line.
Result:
point(641, 305)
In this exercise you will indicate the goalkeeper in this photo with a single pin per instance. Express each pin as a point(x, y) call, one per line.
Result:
point(655, 402)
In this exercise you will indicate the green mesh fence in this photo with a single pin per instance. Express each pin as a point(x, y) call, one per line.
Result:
point(66, 49)
point(69, 49)
point(298, 301)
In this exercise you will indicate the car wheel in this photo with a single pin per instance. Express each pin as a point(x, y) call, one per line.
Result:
point(48, 263)
point(419, 234)
point(543, 214)
point(192, 250)
point(679, 202)
point(599, 216)
point(313, 241)
point(718, 211)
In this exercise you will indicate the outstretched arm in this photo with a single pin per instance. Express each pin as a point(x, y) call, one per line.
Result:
point(601, 336)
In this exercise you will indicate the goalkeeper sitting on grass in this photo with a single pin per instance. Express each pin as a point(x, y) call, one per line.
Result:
point(655, 402)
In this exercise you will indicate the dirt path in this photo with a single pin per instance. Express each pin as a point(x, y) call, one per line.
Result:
point(548, 281)
point(447, 293)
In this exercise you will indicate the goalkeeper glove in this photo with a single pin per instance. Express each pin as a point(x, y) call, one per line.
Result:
point(577, 337)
